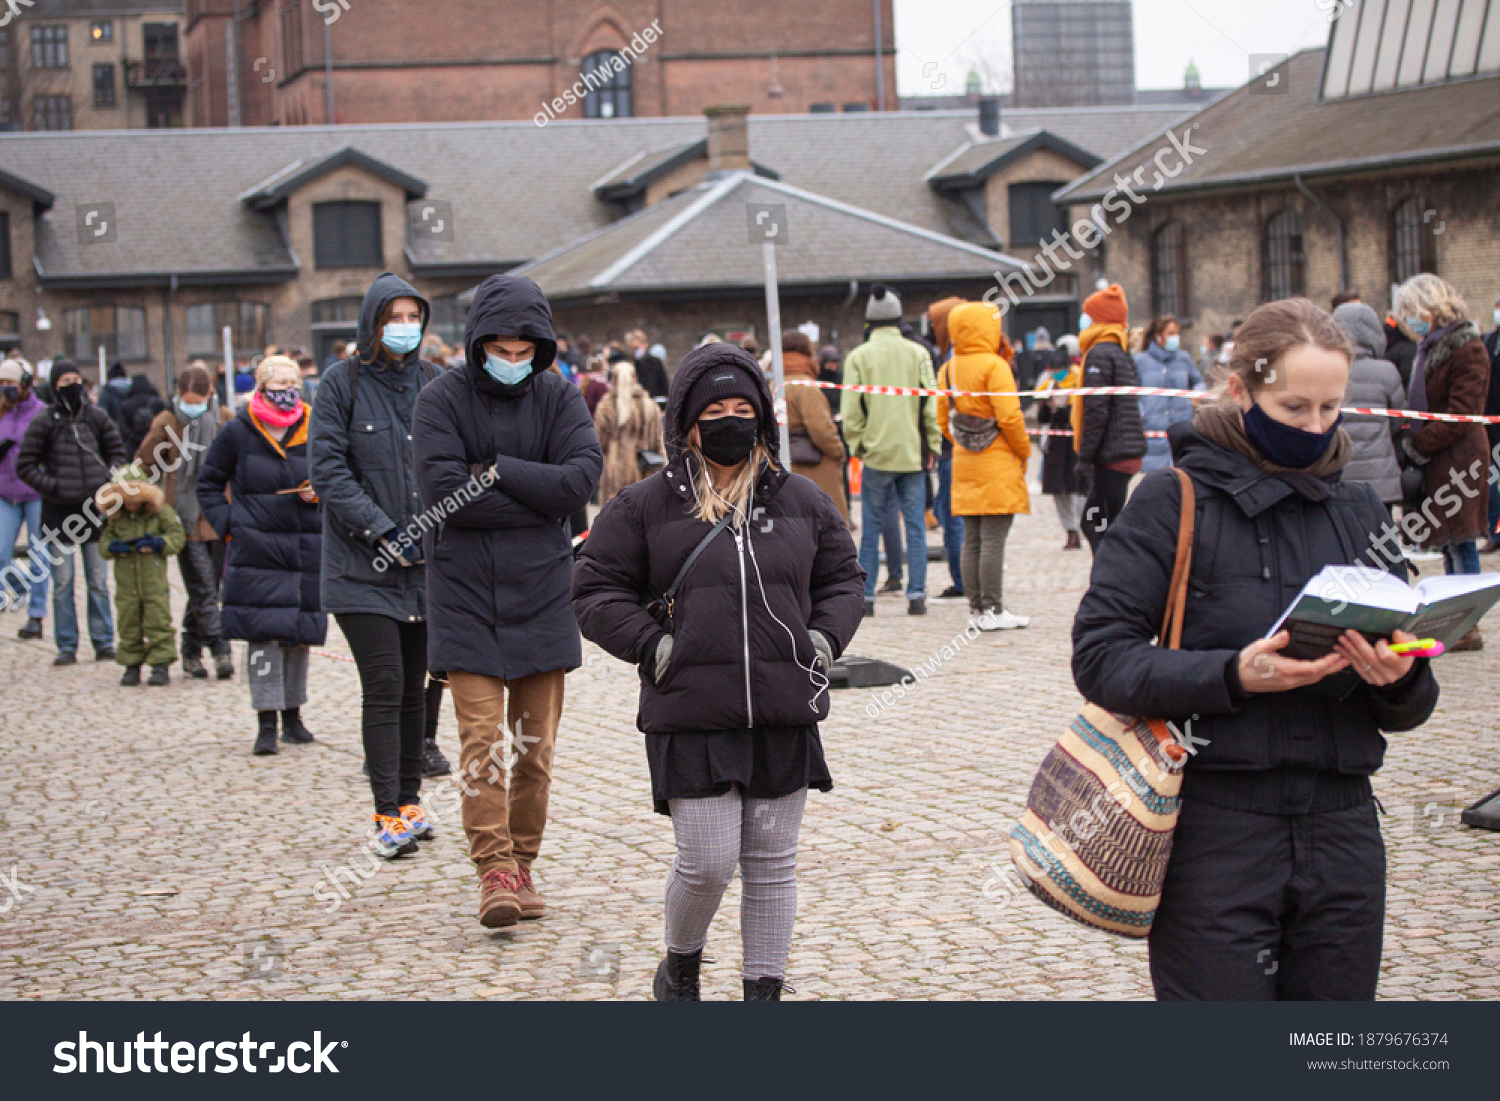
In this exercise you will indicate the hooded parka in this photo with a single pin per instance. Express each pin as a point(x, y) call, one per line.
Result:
point(500, 559)
point(991, 482)
point(1373, 383)
point(736, 676)
point(360, 463)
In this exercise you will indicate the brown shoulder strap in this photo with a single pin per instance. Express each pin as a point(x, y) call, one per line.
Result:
point(1171, 624)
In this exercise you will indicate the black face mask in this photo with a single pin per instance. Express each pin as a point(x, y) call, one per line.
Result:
point(70, 397)
point(11, 394)
point(728, 441)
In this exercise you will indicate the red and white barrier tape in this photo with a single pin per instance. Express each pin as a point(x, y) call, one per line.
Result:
point(1118, 391)
point(331, 654)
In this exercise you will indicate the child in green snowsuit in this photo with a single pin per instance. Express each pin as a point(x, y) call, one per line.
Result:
point(142, 533)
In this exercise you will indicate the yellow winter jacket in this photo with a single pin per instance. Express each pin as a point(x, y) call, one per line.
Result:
point(991, 482)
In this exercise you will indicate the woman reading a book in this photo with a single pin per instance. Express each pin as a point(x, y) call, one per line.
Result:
point(1276, 884)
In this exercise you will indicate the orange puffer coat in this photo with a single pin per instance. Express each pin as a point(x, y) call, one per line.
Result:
point(991, 482)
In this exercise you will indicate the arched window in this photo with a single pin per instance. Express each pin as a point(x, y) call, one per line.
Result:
point(1169, 271)
point(607, 75)
point(1413, 246)
point(1286, 261)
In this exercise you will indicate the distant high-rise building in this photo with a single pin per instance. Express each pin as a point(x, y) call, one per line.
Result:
point(1073, 53)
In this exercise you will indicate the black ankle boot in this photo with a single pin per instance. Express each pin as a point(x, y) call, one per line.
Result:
point(292, 729)
point(265, 741)
point(677, 977)
point(763, 990)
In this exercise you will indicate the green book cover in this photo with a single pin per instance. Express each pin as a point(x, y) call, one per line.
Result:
point(1377, 604)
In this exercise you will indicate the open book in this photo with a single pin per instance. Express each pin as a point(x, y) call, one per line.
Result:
point(1376, 603)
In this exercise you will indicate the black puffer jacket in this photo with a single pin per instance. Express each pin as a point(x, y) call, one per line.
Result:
point(66, 459)
point(137, 411)
point(274, 553)
point(733, 666)
point(1257, 541)
point(1112, 430)
point(361, 466)
point(500, 564)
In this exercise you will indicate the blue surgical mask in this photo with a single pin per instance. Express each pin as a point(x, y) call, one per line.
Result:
point(402, 337)
point(1172, 343)
point(1497, 319)
point(504, 371)
point(192, 410)
point(1085, 322)
point(1418, 326)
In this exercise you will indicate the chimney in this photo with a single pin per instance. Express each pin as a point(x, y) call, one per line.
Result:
point(989, 116)
point(728, 139)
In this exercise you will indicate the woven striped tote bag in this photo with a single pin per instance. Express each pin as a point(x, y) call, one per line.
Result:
point(1097, 831)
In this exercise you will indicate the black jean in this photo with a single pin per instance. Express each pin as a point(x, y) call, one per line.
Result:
point(392, 660)
point(200, 620)
point(1271, 907)
point(1105, 502)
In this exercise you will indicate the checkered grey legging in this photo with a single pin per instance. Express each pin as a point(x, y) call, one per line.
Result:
point(713, 837)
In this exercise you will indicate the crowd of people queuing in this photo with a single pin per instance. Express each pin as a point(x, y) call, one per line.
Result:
point(435, 500)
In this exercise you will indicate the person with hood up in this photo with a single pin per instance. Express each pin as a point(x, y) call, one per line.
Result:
point(817, 450)
point(1107, 430)
point(141, 405)
point(19, 503)
point(951, 524)
point(1374, 383)
point(628, 422)
point(508, 449)
point(271, 567)
point(733, 586)
point(373, 581)
point(989, 457)
point(142, 532)
point(112, 394)
point(1450, 374)
point(171, 455)
point(1163, 364)
point(67, 453)
point(1275, 887)
point(895, 438)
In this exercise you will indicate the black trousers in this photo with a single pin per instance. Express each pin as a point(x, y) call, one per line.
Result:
point(392, 660)
point(1269, 907)
point(1106, 501)
point(200, 620)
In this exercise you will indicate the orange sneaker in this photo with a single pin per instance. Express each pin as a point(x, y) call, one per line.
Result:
point(417, 822)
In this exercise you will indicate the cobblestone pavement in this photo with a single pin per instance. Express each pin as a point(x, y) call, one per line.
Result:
point(150, 856)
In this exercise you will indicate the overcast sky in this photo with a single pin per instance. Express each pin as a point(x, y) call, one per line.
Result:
point(938, 39)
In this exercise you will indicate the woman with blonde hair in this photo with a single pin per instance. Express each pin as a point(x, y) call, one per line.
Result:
point(628, 424)
point(1451, 374)
point(733, 586)
point(274, 529)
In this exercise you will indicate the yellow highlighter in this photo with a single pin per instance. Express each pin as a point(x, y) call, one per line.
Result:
point(1418, 648)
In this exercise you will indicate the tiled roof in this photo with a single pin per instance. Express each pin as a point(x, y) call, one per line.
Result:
point(700, 241)
point(517, 190)
point(1255, 135)
point(975, 163)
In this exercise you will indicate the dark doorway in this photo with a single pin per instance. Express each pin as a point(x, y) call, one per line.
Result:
point(1056, 317)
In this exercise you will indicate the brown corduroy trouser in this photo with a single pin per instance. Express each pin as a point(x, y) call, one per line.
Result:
point(504, 825)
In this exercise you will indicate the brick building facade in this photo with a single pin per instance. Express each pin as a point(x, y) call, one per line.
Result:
point(462, 60)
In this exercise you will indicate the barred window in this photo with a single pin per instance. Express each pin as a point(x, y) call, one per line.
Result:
point(1285, 257)
point(347, 235)
point(1169, 271)
point(610, 95)
point(1413, 245)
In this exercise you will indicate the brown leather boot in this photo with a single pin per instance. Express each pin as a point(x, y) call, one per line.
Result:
point(499, 901)
point(533, 906)
point(1472, 640)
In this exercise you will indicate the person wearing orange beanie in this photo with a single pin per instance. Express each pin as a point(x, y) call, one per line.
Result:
point(1107, 430)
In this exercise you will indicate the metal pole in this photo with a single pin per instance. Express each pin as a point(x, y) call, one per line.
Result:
point(328, 66)
point(232, 67)
point(229, 393)
point(103, 375)
point(773, 324)
point(879, 61)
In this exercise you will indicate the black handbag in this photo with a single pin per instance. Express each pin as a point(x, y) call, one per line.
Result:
point(801, 448)
point(648, 462)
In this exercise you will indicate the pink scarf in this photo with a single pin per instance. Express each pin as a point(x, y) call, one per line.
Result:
point(269, 414)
